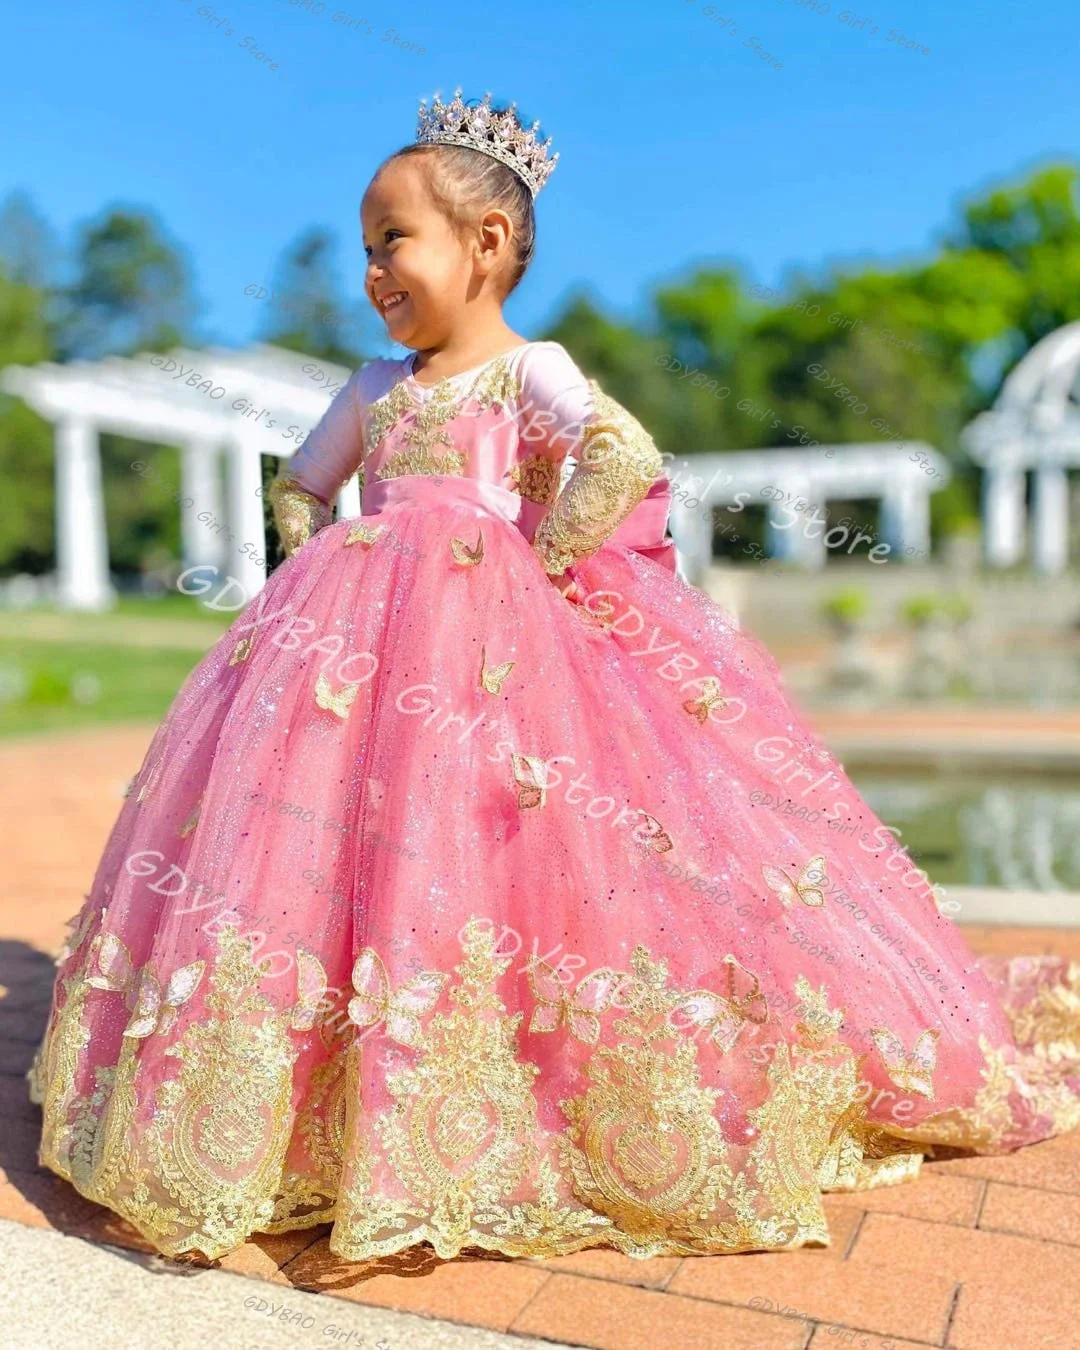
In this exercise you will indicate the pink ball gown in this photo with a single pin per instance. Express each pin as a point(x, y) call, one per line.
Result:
point(445, 909)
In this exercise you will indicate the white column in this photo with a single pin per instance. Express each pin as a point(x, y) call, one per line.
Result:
point(348, 502)
point(786, 534)
point(1003, 516)
point(246, 517)
point(82, 546)
point(692, 531)
point(783, 529)
point(905, 523)
point(811, 554)
point(202, 541)
point(1050, 520)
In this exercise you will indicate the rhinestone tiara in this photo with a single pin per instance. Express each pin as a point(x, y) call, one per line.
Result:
point(498, 134)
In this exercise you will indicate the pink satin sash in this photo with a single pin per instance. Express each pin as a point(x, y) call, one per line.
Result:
point(488, 499)
point(643, 530)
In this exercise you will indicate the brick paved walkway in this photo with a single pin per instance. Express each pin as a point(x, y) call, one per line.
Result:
point(978, 1254)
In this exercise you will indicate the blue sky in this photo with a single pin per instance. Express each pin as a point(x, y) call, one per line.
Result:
point(679, 143)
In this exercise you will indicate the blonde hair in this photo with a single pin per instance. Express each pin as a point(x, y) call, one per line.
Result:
point(465, 183)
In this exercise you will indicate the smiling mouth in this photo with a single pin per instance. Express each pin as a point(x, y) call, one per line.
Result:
point(392, 301)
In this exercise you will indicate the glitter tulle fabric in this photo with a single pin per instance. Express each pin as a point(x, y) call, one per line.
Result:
point(446, 910)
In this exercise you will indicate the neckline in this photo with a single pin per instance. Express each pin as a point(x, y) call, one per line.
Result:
point(410, 362)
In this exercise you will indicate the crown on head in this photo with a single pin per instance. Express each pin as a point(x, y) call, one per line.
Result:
point(498, 134)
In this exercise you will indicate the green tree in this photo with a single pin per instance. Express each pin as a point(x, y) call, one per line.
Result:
point(623, 360)
point(26, 507)
point(132, 290)
point(309, 314)
point(924, 347)
point(143, 518)
point(1034, 228)
point(28, 251)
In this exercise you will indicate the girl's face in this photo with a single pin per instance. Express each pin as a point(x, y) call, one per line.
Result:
point(419, 272)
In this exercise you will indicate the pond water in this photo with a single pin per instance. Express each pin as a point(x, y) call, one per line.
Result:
point(1020, 831)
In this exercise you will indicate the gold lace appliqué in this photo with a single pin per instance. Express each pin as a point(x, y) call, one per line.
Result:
point(848, 1152)
point(385, 413)
point(645, 1147)
point(218, 1136)
point(537, 479)
point(364, 534)
point(297, 514)
point(643, 1166)
point(201, 1168)
point(428, 448)
point(496, 385)
point(418, 459)
point(617, 464)
point(1051, 1017)
point(192, 1127)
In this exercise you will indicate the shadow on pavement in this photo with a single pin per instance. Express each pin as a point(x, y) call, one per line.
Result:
point(320, 1271)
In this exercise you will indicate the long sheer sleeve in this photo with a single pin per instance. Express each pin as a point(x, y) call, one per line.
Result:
point(302, 495)
point(617, 463)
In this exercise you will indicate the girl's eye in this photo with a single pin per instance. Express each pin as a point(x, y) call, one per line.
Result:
point(391, 235)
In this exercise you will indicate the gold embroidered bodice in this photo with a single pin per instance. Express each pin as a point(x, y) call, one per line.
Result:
point(512, 422)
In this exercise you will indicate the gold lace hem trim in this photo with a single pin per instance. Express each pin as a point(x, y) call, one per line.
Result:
point(212, 1148)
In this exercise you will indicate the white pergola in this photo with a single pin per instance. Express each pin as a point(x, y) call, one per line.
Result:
point(133, 397)
point(877, 469)
point(1033, 425)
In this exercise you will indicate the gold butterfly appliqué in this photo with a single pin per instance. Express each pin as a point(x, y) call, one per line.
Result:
point(464, 554)
point(376, 1002)
point(699, 708)
point(580, 1009)
point(338, 701)
point(725, 1015)
point(910, 1073)
point(659, 841)
point(364, 534)
point(531, 779)
point(806, 886)
point(492, 677)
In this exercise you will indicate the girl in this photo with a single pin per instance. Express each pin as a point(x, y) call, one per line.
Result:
point(444, 908)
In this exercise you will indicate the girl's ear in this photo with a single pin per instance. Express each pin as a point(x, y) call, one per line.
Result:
point(493, 244)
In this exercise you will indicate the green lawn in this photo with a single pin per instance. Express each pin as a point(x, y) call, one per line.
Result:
point(61, 671)
point(170, 605)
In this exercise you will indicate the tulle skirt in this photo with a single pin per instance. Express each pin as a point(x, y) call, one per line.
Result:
point(446, 910)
